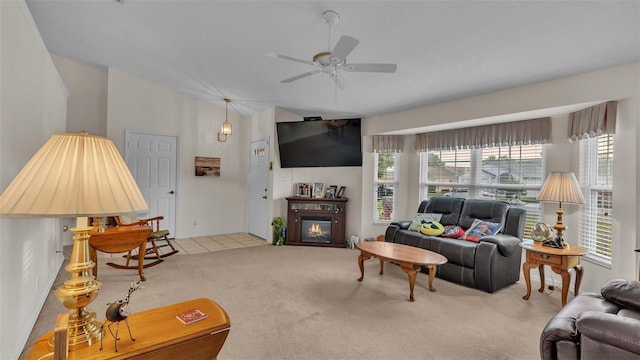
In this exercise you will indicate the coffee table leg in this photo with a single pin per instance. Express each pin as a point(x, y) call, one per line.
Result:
point(381, 266)
point(412, 282)
point(432, 275)
point(411, 272)
point(361, 258)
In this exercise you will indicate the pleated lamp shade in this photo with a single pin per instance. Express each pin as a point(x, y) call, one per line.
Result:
point(73, 175)
point(561, 187)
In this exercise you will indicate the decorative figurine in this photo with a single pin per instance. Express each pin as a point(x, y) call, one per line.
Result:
point(118, 311)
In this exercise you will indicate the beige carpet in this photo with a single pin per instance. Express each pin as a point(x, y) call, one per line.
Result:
point(305, 303)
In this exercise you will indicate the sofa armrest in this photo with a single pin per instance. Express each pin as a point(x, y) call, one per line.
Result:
point(618, 331)
point(403, 225)
point(507, 244)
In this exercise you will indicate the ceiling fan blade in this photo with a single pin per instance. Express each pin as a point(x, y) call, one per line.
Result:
point(343, 48)
point(383, 68)
point(291, 58)
point(301, 76)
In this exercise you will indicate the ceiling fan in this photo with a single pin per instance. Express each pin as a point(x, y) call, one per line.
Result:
point(334, 62)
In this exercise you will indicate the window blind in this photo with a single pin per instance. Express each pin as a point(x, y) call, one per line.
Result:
point(596, 215)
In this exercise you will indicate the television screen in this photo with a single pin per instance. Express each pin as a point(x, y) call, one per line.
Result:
point(323, 143)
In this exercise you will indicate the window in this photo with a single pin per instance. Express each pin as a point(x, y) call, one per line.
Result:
point(596, 177)
point(385, 186)
point(509, 173)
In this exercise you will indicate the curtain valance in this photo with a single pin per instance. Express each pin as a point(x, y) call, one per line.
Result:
point(593, 121)
point(387, 143)
point(525, 132)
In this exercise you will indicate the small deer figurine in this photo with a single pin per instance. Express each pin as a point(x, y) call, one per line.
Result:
point(119, 311)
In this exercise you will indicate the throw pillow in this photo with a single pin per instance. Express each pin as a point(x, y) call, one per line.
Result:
point(432, 228)
point(453, 232)
point(481, 228)
point(423, 218)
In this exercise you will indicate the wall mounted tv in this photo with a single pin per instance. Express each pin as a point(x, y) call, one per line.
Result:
point(321, 143)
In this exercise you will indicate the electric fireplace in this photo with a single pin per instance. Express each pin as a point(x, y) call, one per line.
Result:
point(317, 222)
point(315, 229)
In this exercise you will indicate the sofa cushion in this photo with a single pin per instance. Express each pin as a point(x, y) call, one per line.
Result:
point(422, 218)
point(480, 228)
point(622, 292)
point(412, 238)
point(449, 207)
point(487, 210)
point(457, 252)
point(452, 232)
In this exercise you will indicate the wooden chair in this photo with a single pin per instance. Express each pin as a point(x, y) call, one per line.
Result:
point(156, 236)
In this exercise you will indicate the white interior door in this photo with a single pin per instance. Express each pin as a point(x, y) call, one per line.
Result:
point(259, 223)
point(152, 160)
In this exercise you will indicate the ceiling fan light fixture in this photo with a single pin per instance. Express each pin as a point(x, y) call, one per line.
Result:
point(330, 17)
point(225, 129)
point(322, 58)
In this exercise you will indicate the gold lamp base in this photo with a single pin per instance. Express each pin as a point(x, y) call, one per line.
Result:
point(78, 292)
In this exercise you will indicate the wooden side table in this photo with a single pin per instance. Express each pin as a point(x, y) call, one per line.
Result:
point(158, 334)
point(121, 239)
point(560, 261)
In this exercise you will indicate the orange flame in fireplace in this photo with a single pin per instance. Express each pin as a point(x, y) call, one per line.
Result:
point(315, 229)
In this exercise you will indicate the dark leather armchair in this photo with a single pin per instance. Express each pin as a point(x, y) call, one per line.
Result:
point(591, 326)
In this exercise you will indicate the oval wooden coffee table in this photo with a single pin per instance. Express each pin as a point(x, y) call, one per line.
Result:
point(410, 259)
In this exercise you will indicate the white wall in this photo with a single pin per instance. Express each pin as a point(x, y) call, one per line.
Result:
point(620, 83)
point(32, 107)
point(205, 205)
point(87, 102)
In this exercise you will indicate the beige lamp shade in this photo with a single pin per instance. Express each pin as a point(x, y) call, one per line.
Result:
point(561, 187)
point(73, 175)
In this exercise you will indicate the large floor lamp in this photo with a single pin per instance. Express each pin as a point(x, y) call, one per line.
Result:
point(560, 187)
point(75, 175)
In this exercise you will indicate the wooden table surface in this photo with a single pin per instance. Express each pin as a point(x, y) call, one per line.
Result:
point(410, 259)
point(118, 240)
point(158, 334)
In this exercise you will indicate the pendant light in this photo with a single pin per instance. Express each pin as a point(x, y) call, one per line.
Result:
point(225, 129)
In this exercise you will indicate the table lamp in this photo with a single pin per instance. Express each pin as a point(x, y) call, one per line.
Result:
point(75, 175)
point(560, 187)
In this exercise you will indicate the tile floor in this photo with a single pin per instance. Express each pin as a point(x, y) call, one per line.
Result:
point(195, 245)
point(202, 244)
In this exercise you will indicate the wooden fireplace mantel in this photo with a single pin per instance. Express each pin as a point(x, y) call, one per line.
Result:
point(303, 208)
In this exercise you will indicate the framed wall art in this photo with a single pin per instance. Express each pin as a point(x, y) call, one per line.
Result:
point(207, 166)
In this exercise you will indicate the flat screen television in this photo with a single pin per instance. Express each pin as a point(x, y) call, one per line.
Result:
point(321, 143)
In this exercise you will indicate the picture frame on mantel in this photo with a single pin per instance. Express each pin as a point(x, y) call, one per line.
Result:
point(331, 192)
point(304, 190)
point(318, 190)
point(340, 193)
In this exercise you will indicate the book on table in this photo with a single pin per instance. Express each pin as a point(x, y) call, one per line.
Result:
point(191, 316)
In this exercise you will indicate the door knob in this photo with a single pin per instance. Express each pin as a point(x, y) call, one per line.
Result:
point(171, 192)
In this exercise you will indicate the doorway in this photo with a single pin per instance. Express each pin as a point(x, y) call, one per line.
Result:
point(259, 223)
point(152, 160)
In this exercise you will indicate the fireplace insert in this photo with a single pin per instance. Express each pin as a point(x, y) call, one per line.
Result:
point(316, 229)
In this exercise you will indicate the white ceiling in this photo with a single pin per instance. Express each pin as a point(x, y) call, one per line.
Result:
point(444, 50)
